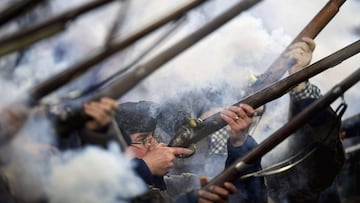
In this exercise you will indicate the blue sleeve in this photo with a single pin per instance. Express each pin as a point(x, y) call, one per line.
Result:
point(252, 189)
point(237, 152)
point(144, 172)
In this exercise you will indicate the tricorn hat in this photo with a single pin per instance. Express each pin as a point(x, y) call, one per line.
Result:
point(134, 117)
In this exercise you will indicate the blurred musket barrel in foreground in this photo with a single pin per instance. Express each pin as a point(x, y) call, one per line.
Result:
point(17, 9)
point(9, 113)
point(265, 95)
point(231, 173)
point(12, 117)
point(279, 67)
point(271, 75)
point(71, 119)
point(29, 35)
point(78, 69)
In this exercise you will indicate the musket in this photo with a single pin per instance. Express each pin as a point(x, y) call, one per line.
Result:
point(72, 73)
point(278, 68)
point(17, 9)
point(240, 165)
point(201, 129)
point(39, 91)
point(74, 116)
point(272, 74)
point(29, 35)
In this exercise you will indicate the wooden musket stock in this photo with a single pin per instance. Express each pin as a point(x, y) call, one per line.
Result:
point(278, 68)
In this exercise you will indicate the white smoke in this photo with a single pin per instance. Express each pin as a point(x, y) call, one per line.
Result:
point(247, 44)
point(250, 43)
point(89, 175)
point(279, 22)
point(93, 175)
point(37, 170)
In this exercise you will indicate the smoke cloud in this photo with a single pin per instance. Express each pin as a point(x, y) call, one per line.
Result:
point(246, 45)
point(93, 175)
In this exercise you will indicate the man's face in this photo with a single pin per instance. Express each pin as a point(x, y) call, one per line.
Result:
point(142, 143)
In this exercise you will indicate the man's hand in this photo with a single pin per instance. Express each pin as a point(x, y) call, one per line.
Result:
point(239, 118)
point(102, 113)
point(161, 159)
point(301, 52)
point(215, 193)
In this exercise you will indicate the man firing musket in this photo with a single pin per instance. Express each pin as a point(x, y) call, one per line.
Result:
point(38, 92)
point(238, 118)
point(235, 117)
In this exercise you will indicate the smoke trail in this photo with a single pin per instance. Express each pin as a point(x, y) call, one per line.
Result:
point(93, 175)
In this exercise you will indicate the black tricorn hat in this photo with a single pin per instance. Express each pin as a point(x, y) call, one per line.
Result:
point(134, 117)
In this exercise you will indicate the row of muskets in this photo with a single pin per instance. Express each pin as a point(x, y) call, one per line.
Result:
point(267, 88)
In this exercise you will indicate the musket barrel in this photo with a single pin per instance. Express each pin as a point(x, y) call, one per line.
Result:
point(44, 29)
point(278, 68)
point(78, 69)
point(285, 131)
point(17, 9)
point(272, 74)
point(321, 19)
point(131, 78)
point(272, 92)
point(58, 80)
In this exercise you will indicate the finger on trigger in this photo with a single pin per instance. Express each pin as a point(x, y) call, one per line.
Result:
point(180, 150)
point(162, 145)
